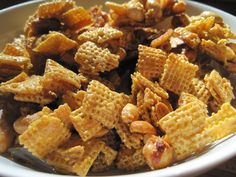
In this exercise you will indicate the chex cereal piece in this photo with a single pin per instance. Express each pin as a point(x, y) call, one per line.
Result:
point(63, 159)
point(139, 82)
point(111, 139)
point(131, 140)
point(93, 59)
point(29, 90)
point(84, 124)
point(177, 74)
point(223, 123)
point(201, 26)
point(191, 39)
point(92, 149)
point(151, 62)
point(103, 105)
point(19, 78)
point(184, 127)
point(59, 79)
point(104, 159)
point(77, 18)
point(220, 88)
point(54, 8)
point(74, 100)
point(15, 62)
point(15, 50)
point(20, 125)
point(44, 136)
point(63, 113)
point(218, 32)
point(55, 43)
point(186, 98)
point(130, 159)
point(198, 88)
point(100, 35)
point(220, 52)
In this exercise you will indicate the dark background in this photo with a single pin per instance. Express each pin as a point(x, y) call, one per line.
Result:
point(226, 5)
point(229, 6)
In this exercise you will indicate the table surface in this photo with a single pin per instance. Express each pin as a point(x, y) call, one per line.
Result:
point(225, 170)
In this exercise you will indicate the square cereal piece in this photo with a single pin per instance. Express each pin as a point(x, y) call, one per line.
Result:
point(77, 18)
point(104, 159)
point(103, 105)
point(198, 88)
point(63, 159)
point(63, 113)
point(130, 140)
point(44, 135)
point(223, 123)
point(139, 82)
point(74, 100)
point(219, 51)
point(100, 35)
point(220, 88)
point(29, 90)
point(59, 79)
point(54, 8)
point(184, 128)
point(84, 124)
point(94, 59)
point(54, 43)
point(130, 159)
point(92, 150)
point(15, 62)
point(151, 62)
point(177, 74)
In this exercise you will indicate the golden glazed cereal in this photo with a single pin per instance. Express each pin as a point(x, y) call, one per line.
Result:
point(54, 8)
point(130, 140)
point(91, 90)
point(104, 159)
point(130, 159)
point(94, 59)
point(151, 62)
point(77, 18)
point(184, 128)
point(54, 44)
point(220, 88)
point(92, 150)
point(222, 123)
point(177, 74)
point(100, 35)
point(84, 124)
point(29, 90)
point(198, 88)
point(74, 100)
point(59, 79)
point(44, 136)
point(102, 104)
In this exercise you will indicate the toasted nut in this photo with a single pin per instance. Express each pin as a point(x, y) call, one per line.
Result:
point(179, 7)
point(142, 127)
point(162, 39)
point(135, 11)
point(130, 113)
point(158, 153)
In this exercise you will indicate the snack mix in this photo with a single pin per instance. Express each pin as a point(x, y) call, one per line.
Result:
point(86, 90)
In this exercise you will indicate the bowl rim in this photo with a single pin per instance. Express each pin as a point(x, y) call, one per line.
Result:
point(193, 165)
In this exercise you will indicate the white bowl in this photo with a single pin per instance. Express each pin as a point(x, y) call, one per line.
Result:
point(12, 20)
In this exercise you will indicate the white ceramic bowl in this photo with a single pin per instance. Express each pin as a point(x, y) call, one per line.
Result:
point(12, 20)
